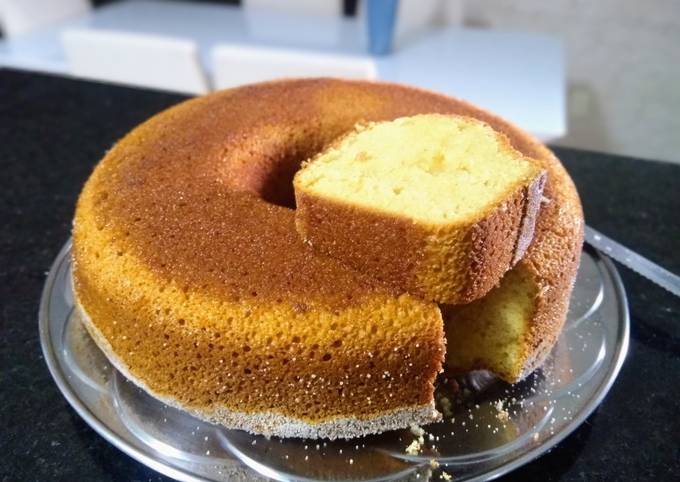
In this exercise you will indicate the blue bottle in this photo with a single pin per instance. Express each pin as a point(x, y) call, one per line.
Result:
point(381, 16)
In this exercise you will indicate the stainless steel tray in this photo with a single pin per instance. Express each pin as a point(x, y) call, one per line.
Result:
point(491, 427)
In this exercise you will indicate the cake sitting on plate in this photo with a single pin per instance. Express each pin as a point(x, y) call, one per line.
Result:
point(429, 235)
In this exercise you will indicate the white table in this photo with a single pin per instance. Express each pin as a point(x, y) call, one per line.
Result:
point(517, 75)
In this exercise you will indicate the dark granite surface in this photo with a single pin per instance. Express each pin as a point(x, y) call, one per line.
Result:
point(53, 131)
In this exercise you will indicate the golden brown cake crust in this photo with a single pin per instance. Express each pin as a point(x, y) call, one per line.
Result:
point(205, 293)
point(444, 264)
point(453, 263)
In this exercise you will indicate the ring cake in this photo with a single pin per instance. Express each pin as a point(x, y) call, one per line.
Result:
point(190, 275)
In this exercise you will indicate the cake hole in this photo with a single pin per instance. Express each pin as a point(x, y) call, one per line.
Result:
point(277, 184)
point(337, 344)
point(181, 321)
point(326, 357)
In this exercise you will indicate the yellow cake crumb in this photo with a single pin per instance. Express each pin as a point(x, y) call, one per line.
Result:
point(446, 405)
point(413, 448)
point(451, 168)
point(502, 414)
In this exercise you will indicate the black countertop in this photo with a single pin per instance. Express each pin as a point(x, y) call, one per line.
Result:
point(53, 131)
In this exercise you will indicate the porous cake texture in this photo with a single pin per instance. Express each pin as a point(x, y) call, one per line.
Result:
point(195, 283)
point(451, 197)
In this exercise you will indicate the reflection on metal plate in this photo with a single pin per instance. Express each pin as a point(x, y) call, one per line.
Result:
point(489, 427)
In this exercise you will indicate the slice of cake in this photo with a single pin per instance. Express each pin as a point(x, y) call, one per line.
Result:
point(440, 206)
point(492, 333)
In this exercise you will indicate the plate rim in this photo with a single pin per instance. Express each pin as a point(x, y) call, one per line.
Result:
point(184, 476)
point(81, 409)
point(600, 393)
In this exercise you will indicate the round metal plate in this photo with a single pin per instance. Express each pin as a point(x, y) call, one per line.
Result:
point(489, 429)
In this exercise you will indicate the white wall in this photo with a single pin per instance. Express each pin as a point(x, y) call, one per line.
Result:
point(623, 67)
